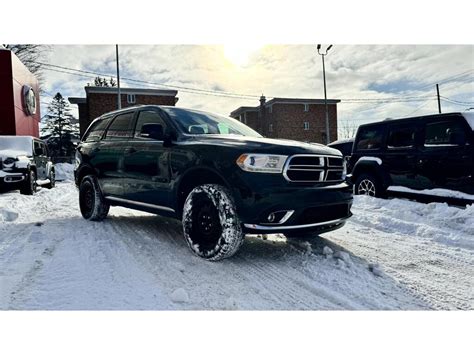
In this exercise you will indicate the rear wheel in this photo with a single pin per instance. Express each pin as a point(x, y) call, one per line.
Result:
point(368, 184)
point(52, 180)
point(29, 185)
point(91, 201)
point(211, 226)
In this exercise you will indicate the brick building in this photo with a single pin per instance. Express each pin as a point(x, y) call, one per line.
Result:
point(291, 118)
point(100, 100)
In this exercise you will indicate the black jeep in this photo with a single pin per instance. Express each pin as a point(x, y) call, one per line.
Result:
point(417, 152)
point(24, 163)
point(221, 178)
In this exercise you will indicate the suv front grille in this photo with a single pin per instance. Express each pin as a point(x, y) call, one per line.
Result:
point(313, 168)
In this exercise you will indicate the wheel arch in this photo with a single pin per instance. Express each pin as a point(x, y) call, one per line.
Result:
point(372, 167)
point(192, 178)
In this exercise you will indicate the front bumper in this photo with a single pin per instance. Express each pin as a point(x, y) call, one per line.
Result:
point(316, 207)
point(10, 178)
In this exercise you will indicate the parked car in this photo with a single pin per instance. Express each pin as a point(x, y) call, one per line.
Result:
point(344, 146)
point(417, 152)
point(24, 163)
point(218, 176)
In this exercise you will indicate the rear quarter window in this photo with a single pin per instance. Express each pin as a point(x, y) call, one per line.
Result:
point(370, 138)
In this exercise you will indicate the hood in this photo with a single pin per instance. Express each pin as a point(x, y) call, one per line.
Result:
point(11, 153)
point(264, 145)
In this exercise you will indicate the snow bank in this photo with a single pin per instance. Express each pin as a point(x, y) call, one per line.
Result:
point(64, 171)
point(446, 224)
point(434, 192)
point(7, 215)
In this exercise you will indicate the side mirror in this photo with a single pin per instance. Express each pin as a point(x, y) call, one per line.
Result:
point(153, 131)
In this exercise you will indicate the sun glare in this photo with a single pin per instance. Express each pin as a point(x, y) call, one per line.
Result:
point(239, 54)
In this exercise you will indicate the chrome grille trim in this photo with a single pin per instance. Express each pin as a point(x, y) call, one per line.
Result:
point(323, 168)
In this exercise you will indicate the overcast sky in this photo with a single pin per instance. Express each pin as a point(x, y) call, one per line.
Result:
point(353, 73)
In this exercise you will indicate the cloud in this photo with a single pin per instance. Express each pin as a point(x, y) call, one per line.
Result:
point(364, 72)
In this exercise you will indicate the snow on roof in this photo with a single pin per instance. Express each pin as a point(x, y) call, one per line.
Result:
point(469, 116)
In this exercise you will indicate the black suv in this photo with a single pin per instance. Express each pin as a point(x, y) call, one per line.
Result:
point(24, 163)
point(221, 178)
point(418, 152)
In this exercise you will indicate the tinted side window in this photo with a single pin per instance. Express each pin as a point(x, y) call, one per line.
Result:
point(370, 138)
point(401, 137)
point(121, 127)
point(38, 149)
point(146, 117)
point(441, 133)
point(96, 131)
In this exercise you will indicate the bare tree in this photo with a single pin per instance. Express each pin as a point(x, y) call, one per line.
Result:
point(348, 129)
point(99, 81)
point(31, 55)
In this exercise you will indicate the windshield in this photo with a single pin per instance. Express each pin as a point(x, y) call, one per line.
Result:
point(20, 145)
point(198, 122)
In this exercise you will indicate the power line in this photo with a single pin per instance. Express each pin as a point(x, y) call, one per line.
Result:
point(183, 88)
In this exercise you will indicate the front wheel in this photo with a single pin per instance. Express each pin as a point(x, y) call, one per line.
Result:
point(29, 185)
point(91, 201)
point(368, 184)
point(211, 226)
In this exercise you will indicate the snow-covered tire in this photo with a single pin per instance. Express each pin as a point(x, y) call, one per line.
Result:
point(52, 180)
point(29, 185)
point(211, 226)
point(91, 201)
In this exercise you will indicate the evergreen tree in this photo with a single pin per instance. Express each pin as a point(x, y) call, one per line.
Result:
point(60, 127)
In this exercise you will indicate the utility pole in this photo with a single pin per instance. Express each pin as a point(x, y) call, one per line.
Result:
point(328, 139)
point(439, 101)
point(119, 101)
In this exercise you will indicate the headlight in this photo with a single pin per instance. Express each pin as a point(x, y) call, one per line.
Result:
point(9, 162)
point(262, 163)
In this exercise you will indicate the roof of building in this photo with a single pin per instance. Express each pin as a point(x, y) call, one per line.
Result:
point(77, 100)
point(283, 100)
point(243, 109)
point(136, 91)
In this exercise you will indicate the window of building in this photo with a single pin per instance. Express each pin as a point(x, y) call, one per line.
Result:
point(401, 137)
point(306, 126)
point(444, 133)
point(131, 99)
point(97, 130)
point(121, 127)
point(147, 117)
point(306, 107)
point(370, 138)
point(270, 127)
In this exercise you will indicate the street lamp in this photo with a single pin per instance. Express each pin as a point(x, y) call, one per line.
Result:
point(325, 96)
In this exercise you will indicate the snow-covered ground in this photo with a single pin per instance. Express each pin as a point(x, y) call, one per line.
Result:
point(393, 254)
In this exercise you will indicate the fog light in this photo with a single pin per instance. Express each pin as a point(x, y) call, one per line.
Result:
point(279, 217)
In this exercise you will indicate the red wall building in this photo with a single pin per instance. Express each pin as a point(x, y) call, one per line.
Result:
point(19, 98)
